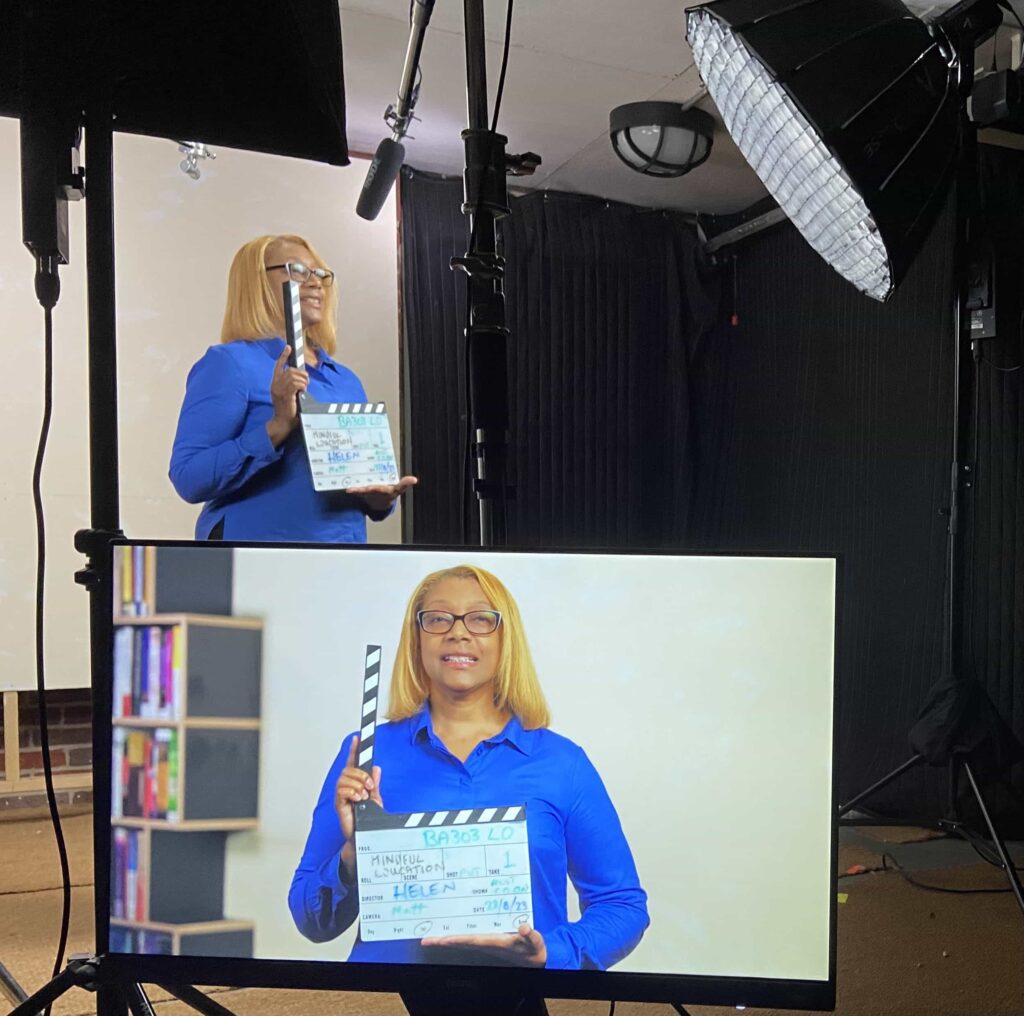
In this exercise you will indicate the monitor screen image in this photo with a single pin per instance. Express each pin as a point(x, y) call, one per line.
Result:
point(579, 763)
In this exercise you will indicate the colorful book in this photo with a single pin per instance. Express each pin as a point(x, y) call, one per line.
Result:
point(132, 877)
point(154, 639)
point(138, 655)
point(122, 677)
point(127, 588)
point(139, 580)
point(116, 773)
point(172, 776)
point(167, 703)
point(177, 669)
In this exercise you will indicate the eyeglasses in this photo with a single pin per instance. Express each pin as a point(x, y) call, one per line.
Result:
point(298, 272)
point(440, 622)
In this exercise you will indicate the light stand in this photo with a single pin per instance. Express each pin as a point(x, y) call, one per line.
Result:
point(958, 725)
point(486, 201)
point(855, 118)
point(113, 998)
point(72, 64)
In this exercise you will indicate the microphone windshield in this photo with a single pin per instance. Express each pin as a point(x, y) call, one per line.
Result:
point(379, 178)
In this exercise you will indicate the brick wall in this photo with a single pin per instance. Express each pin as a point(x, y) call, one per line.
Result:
point(69, 719)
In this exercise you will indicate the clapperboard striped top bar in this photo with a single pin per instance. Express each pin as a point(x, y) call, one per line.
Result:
point(440, 818)
point(358, 408)
point(368, 730)
point(294, 334)
point(373, 819)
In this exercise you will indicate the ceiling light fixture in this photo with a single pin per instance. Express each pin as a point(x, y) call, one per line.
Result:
point(661, 138)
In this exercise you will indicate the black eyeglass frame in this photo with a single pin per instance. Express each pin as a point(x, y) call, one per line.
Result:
point(458, 617)
point(325, 275)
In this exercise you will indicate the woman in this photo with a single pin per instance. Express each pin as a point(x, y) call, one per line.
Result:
point(238, 446)
point(469, 730)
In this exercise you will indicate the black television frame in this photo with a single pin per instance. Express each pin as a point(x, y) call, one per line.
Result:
point(342, 975)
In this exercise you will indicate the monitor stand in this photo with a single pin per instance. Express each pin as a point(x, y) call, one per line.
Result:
point(461, 999)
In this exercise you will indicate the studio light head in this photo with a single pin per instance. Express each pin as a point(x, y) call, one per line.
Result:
point(193, 152)
point(850, 113)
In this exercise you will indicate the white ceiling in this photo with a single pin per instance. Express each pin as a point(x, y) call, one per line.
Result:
point(570, 63)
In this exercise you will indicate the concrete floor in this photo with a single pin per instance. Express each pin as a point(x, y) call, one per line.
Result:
point(945, 851)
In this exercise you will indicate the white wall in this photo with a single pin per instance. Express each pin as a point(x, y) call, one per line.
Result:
point(701, 689)
point(174, 241)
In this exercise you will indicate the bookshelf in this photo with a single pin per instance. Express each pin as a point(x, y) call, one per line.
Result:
point(185, 756)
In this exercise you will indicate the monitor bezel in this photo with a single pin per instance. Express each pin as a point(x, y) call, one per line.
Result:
point(343, 975)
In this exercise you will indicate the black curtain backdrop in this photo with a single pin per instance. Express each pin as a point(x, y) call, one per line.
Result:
point(819, 421)
point(825, 424)
point(994, 633)
point(605, 304)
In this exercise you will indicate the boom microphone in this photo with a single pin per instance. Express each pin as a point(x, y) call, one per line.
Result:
point(379, 177)
point(390, 152)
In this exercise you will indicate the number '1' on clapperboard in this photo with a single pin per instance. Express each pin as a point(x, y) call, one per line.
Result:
point(459, 872)
point(348, 444)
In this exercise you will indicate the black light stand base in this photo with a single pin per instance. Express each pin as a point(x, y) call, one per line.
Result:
point(112, 999)
point(884, 781)
point(79, 973)
point(195, 999)
point(954, 826)
point(1004, 857)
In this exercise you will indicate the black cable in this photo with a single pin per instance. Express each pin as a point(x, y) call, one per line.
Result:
point(935, 888)
point(982, 848)
point(467, 462)
point(44, 290)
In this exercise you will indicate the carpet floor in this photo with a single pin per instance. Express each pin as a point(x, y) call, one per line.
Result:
point(902, 951)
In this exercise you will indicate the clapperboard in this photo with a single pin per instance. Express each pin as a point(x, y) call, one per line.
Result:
point(348, 444)
point(436, 872)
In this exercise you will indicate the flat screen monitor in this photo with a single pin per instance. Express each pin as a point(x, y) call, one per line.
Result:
point(582, 775)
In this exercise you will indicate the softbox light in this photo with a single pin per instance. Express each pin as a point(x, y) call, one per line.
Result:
point(850, 113)
point(267, 78)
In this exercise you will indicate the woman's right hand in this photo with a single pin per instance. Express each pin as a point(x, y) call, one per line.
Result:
point(352, 787)
point(285, 386)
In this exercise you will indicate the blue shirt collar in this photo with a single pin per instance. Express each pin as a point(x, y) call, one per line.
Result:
point(513, 732)
point(323, 359)
point(326, 361)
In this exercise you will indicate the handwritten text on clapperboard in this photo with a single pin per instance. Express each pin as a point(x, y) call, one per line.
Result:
point(443, 873)
point(348, 444)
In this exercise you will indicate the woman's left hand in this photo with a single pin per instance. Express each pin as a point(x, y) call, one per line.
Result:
point(379, 496)
point(526, 948)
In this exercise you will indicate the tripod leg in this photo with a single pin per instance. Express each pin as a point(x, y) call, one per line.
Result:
point(197, 1000)
point(35, 1004)
point(850, 805)
point(1011, 871)
point(138, 1001)
point(10, 988)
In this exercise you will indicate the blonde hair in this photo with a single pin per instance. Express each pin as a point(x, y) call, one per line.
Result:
point(517, 688)
point(254, 307)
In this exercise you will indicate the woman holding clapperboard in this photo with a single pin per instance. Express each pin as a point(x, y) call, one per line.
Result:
point(468, 730)
point(237, 446)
